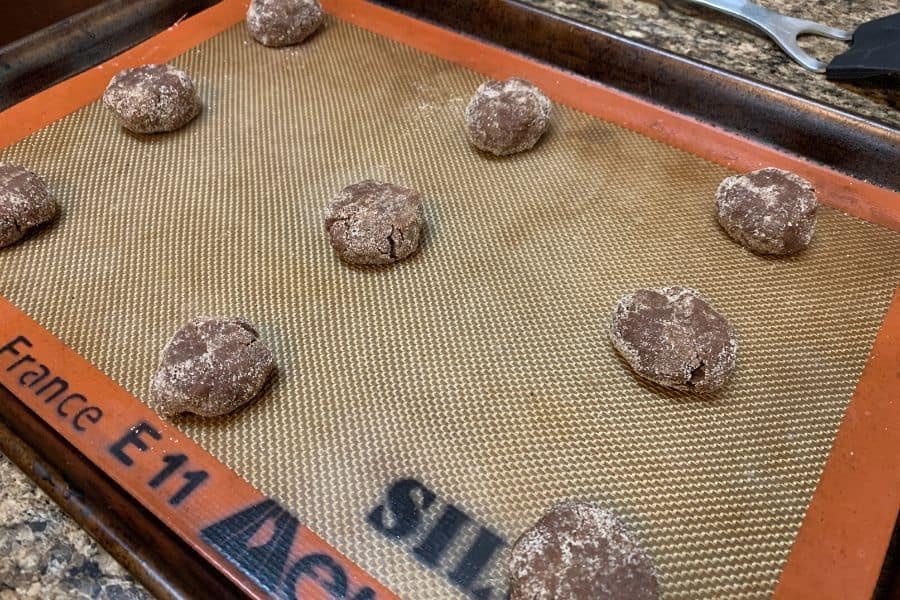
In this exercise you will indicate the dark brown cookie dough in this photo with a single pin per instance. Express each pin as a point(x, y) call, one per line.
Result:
point(769, 211)
point(374, 223)
point(152, 98)
point(674, 337)
point(283, 22)
point(578, 551)
point(505, 117)
point(210, 367)
point(25, 203)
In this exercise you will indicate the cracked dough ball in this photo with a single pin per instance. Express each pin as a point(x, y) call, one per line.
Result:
point(506, 117)
point(673, 337)
point(25, 203)
point(578, 551)
point(374, 223)
point(152, 98)
point(210, 367)
point(283, 22)
point(769, 211)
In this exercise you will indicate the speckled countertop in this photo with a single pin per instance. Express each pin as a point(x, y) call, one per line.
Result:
point(44, 554)
point(719, 40)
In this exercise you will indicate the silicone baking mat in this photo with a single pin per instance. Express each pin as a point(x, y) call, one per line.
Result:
point(455, 396)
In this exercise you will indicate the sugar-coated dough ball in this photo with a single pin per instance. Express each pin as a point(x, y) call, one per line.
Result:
point(506, 117)
point(673, 337)
point(578, 551)
point(152, 98)
point(210, 367)
point(769, 211)
point(25, 203)
point(283, 22)
point(374, 223)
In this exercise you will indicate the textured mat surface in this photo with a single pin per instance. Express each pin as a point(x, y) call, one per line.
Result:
point(480, 367)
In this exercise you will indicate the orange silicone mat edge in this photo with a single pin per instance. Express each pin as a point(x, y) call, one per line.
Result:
point(840, 547)
point(854, 506)
point(853, 196)
point(21, 120)
point(123, 436)
point(204, 502)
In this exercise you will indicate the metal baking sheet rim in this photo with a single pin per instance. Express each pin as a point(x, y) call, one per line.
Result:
point(840, 546)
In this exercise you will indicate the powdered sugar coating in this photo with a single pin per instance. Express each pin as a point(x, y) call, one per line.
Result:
point(25, 203)
point(283, 22)
point(506, 117)
point(152, 98)
point(673, 337)
point(769, 211)
point(578, 551)
point(210, 367)
point(375, 223)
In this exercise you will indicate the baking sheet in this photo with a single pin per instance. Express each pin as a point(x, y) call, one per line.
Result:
point(481, 366)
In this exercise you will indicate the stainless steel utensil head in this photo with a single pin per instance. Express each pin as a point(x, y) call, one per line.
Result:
point(782, 29)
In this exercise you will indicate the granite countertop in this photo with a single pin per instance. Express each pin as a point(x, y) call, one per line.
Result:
point(707, 36)
point(44, 554)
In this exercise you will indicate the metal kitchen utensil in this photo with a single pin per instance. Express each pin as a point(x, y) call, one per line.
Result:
point(782, 29)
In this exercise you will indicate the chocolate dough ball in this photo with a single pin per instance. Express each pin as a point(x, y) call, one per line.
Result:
point(578, 551)
point(25, 203)
point(210, 367)
point(505, 117)
point(283, 22)
point(769, 211)
point(374, 223)
point(673, 337)
point(152, 98)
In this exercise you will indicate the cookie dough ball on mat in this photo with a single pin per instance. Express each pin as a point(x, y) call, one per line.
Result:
point(374, 223)
point(578, 551)
point(211, 367)
point(506, 117)
point(25, 203)
point(152, 98)
point(283, 22)
point(673, 337)
point(769, 211)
